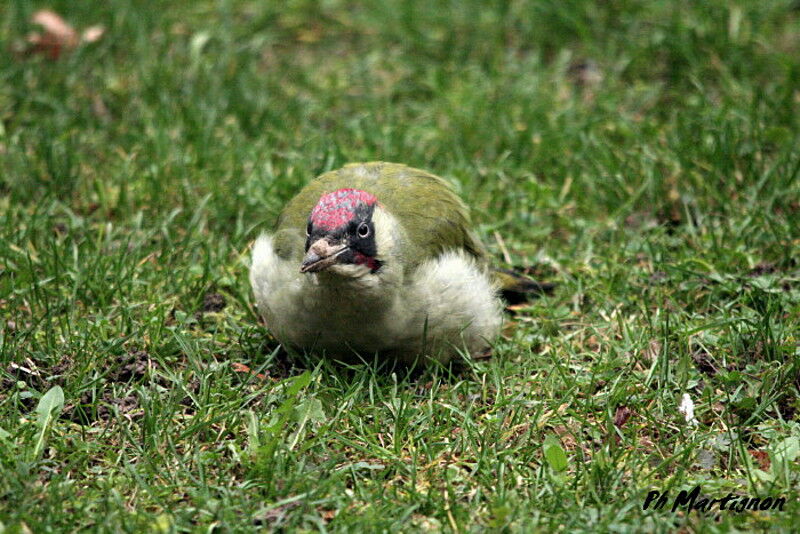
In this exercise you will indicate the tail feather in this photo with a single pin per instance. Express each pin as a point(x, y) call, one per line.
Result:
point(516, 288)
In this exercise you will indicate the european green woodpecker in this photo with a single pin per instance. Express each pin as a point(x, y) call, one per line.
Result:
point(377, 258)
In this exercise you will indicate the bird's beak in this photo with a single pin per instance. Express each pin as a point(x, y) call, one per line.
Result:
point(321, 255)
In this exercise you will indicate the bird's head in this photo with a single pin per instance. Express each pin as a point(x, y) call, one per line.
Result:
point(341, 234)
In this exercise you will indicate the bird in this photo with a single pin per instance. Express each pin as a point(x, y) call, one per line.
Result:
point(379, 259)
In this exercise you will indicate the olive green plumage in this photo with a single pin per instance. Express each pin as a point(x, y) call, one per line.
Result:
point(430, 210)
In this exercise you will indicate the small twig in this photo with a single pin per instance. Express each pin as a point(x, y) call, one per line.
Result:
point(32, 370)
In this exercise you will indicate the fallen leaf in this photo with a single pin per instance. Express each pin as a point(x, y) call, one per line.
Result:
point(58, 35)
point(621, 416)
point(328, 515)
point(242, 368)
point(56, 27)
point(762, 457)
point(566, 437)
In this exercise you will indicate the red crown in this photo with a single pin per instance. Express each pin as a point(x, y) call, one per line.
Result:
point(339, 207)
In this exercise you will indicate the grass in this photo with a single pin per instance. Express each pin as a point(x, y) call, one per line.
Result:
point(643, 154)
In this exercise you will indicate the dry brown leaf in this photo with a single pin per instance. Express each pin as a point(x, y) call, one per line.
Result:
point(56, 27)
point(242, 368)
point(762, 457)
point(566, 436)
point(621, 416)
point(328, 515)
point(58, 36)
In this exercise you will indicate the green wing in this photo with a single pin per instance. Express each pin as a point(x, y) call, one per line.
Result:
point(426, 205)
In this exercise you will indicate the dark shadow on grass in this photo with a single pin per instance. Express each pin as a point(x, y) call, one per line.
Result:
point(384, 370)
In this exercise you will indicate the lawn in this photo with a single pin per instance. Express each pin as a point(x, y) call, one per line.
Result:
point(643, 155)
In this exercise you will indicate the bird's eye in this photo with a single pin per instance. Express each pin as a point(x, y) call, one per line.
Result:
point(363, 230)
point(308, 228)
